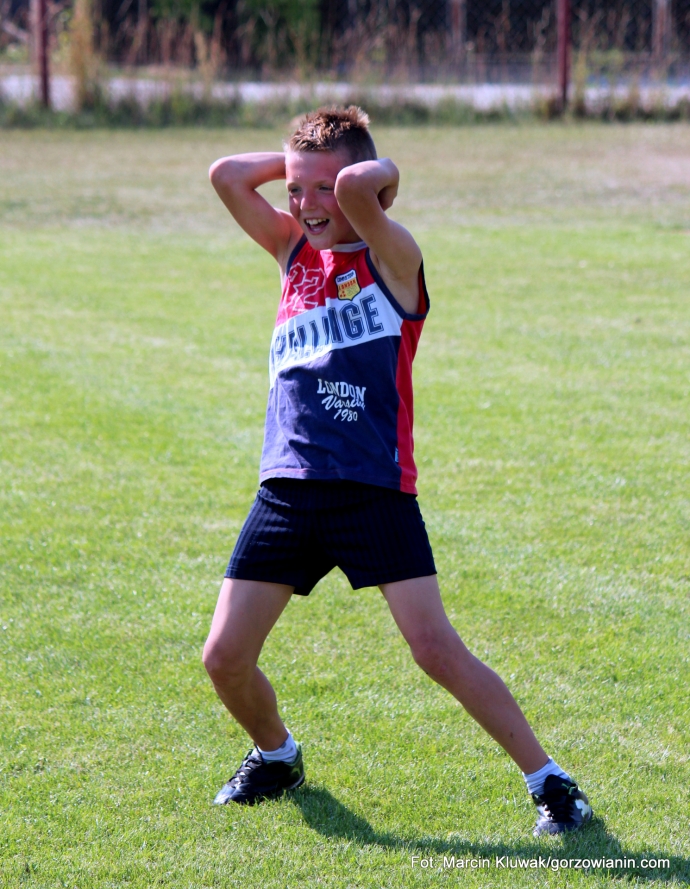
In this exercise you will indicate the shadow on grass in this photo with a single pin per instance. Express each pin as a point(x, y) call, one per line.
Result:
point(329, 817)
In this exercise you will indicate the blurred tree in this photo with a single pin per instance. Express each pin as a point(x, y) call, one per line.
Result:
point(282, 31)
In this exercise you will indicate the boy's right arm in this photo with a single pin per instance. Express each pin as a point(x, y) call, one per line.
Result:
point(236, 179)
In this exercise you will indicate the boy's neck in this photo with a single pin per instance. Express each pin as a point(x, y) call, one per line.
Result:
point(349, 247)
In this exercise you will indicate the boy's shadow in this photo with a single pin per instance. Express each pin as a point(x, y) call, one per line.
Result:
point(329, 817)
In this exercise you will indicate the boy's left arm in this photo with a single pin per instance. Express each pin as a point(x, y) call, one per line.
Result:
point(364, 192)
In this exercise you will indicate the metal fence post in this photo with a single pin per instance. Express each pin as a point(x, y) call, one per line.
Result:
point(563, 20)
point(458, 25)
point(661, 29)
point(42, 51)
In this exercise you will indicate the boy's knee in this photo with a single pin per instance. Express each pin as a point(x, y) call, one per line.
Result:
point(434, 653)
point(225, 663)
point(426, 653)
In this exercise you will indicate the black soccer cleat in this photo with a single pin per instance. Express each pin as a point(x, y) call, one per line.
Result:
point(256, 780)
point(561, 807)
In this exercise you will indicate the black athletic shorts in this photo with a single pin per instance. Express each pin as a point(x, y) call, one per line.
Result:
point(299, 529)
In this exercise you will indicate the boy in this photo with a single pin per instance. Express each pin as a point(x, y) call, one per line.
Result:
point(337, 471)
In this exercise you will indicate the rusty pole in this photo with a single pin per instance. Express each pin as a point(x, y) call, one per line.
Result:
point(661, 29)
point(42, 49)
point(563, 22)
point(458, 25)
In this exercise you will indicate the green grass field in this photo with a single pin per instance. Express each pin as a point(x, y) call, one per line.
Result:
point(553, 442)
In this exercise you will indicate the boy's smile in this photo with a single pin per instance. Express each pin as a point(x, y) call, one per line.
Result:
point(310, 177)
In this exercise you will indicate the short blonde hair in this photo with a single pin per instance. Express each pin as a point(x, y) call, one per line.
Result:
point(335, 129)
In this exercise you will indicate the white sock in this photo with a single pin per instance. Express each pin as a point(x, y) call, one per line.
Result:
point(535, 781)
point(287, 752)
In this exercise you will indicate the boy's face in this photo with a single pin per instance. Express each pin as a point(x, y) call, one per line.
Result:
point(310, 177)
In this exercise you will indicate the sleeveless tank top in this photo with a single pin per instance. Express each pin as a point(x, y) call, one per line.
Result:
point(340, 368)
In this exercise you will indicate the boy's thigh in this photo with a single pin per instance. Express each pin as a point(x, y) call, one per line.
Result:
point(417, 608)
point(245, 614)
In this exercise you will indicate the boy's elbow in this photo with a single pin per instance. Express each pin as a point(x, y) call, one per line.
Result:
point(349, 186)
point(223, 172)
point(347, 178)
point(216, 171)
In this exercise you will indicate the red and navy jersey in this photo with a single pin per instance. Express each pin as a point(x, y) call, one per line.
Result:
point(340, 400)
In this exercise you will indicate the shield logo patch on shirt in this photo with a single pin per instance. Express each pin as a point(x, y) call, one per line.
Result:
point(348, 285)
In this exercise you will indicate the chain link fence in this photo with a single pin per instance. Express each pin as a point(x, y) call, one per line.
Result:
point(377, 41)
point(506, 40)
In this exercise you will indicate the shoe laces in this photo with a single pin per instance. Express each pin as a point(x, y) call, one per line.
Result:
point(251, 761)
point(558, 802)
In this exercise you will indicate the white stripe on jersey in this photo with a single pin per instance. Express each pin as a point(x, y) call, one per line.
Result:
point(337, 325)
